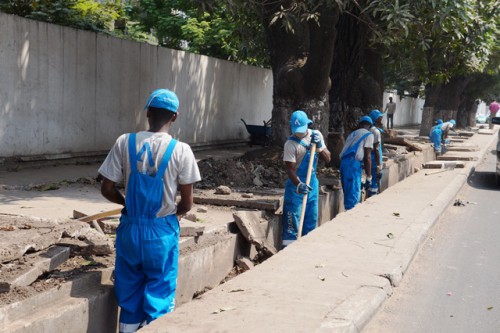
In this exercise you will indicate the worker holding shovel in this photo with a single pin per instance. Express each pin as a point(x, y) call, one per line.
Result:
point(301, 156)
point(154, 166)
point(355, 155)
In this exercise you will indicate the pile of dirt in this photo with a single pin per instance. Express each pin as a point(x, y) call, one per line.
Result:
point(258, 168)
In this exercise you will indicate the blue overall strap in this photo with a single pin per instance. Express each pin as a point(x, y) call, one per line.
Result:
point(166, 158)
point(381, 129)
point(294, 138)
point(354, 147)
point(131, 152)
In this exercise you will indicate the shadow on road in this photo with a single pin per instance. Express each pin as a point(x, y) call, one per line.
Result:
point(484, 180)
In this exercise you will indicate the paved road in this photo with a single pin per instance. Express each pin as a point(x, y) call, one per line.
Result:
point(454, 284)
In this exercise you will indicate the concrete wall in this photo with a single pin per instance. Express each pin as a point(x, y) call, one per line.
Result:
point(408, 109)
point(68, 91)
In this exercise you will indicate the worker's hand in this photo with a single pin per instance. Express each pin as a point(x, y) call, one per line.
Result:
point(379, 169)
point(367, 182)
point(316, 139)
point(379, 175)
point(303, 188)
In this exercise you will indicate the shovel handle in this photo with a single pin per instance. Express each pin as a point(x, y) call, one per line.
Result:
point(308, 180)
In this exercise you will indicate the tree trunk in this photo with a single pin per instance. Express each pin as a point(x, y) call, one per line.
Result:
point(442, 101)
point(301, 62)
point(357, 75)
point(357, 79)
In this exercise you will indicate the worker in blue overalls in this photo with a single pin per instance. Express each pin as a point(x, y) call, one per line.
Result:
point(297, 154)
point(153, 165)
point(376, 155)
point(439, 135)
point(355, 155)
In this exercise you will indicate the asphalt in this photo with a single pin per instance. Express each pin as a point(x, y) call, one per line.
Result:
point(337, 277)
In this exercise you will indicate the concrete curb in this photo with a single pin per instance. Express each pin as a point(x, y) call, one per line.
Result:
point(353, 314)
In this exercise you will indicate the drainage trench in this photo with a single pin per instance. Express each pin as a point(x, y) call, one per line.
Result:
point(213, 248)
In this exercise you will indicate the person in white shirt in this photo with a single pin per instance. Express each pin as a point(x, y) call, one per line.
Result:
point(390, 108)
point(357, 149)
point(153, 165)
point(297, 154)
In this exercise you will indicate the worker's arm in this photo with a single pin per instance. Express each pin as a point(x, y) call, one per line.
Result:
point(325, 155)
point(291, 171)
point(367, 161)
point(186, 202)
point(377, 153)
point(110, 192)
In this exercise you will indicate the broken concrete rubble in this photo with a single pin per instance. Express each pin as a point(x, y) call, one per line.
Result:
point(249, 224)
point(33, 234)
point(224, 190)
point(26, 271)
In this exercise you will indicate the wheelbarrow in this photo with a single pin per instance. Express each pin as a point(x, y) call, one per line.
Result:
point(259, 135)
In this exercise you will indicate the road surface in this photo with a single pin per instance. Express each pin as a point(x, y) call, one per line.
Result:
point(454, 283)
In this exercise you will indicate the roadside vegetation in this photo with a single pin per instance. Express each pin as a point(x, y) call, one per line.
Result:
point(333, 58)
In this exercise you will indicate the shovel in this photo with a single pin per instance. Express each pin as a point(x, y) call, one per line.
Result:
point(308, 180)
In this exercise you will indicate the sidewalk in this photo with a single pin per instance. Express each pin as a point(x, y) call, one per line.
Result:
point(334, 279)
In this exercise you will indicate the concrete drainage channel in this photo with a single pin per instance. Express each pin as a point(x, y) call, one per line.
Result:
point(38, 295)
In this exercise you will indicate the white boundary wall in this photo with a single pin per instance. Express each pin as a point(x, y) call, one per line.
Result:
point(64, 90)
point(408, 109)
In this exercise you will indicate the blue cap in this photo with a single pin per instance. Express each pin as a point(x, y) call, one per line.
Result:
point(439, 121)
point(375, 114)
point(366, 119)
point(163, 99)
point(299, 122)
point(453, 122)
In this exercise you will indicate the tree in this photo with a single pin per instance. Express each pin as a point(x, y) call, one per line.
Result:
point(450, 40)
point(301, 38)
point(81, 14)
point(212, 28)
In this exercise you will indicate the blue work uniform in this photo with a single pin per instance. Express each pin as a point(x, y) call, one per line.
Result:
point(147, 247)
point(374, 185)
point(292, 206)
point(436, 135)
point(350, 175)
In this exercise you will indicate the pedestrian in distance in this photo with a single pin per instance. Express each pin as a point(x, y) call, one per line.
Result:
point(494, 107)
point(439, 136)
point(390, 108)
point(153, 166)
point(356, 155)
point(297, 154)
point(376, 154)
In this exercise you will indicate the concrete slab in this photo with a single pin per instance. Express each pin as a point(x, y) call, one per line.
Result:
point(486, 131)
point(249, 223)
point(463, 148)
point(31, 267)
point(227, 201)
point(450, 157)
point(36, 234)
point(444, 164)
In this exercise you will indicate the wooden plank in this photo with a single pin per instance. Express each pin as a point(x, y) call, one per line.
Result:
point(101, 215)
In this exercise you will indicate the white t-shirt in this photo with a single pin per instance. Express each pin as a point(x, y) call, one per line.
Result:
point(182, 168)
point(377, 137)
point(294, 152)
point(353, 138)
point(446, 126)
